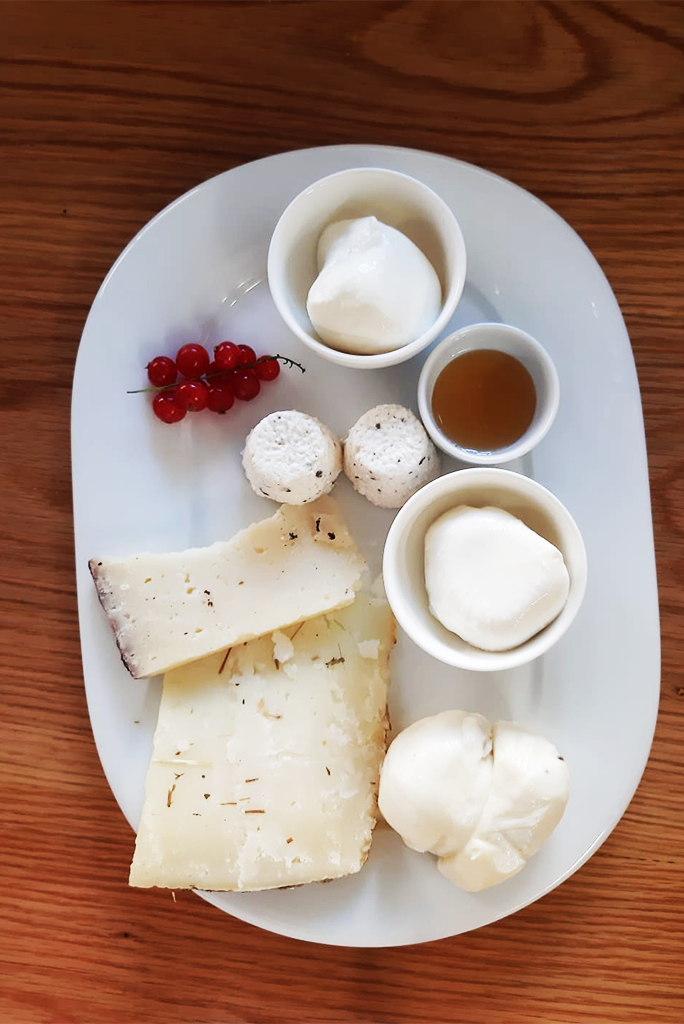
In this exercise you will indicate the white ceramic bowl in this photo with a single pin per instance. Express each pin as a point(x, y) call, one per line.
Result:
point(396, 199)
point(503, 338)
point(404, 561)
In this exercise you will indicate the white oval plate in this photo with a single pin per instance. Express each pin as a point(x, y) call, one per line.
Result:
point(196, 272)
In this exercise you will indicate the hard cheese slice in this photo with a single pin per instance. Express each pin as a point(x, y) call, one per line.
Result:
point(264, 771)
point(170, 609)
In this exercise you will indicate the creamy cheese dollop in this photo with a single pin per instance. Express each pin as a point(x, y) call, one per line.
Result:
point(491, 579)
point(375, 291)
point(483, 798)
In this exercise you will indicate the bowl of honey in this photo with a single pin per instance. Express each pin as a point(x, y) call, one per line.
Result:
point(488, 394)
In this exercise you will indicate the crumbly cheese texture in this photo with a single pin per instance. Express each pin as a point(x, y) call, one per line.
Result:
point(491, 579)
point(264, 772)
point(388, 456)
point(169, 609)
point(292, 457)
point(483, 798)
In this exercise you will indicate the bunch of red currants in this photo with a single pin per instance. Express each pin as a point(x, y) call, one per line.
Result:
point(235, 372)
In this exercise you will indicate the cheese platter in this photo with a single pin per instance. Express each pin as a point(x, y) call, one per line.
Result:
point(166, 510)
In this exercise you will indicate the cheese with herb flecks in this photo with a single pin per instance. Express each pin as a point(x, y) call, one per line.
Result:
point(170, 609)
point(264, 772)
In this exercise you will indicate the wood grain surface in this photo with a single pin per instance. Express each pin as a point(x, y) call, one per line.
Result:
point(107, 112)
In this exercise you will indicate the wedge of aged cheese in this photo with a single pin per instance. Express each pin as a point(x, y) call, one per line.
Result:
point(264, 772)
point(170, 609)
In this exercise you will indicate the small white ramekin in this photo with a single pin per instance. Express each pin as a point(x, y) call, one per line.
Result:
point(503, 338)
point(396, 199)
point(404, 561)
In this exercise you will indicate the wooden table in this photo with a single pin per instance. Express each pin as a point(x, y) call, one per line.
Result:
point(107, 112)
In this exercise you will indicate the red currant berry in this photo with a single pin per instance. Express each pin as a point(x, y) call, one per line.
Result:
point(161, 371)
point(218, 378)
point(227, 355)
point(192, 360)
point(267, 368)
point(192, 395)
point(247, 385)
point(167, 408)
point(219, 399)
point(247, 355)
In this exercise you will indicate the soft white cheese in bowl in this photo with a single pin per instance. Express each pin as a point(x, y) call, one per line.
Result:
point(517, 594)
point(491, 579)
point(375, 290)
point(363, 254)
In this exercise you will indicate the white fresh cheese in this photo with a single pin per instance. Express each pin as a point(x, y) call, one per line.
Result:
point(482, 798)
point(491, 579)
point(436, 780)
point(527, 798)
point(261, 778)
point(375, 290)
point(388, 455)
point(170, 609)
point(292, 457)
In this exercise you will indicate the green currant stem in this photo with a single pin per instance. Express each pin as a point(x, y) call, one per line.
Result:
point(221, 373)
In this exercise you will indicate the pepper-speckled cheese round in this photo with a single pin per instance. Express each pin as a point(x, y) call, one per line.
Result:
point(292, 458)
point(388, 456)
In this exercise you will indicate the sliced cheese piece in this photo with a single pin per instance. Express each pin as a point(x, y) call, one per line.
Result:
point(170, 609)
point(262, 778)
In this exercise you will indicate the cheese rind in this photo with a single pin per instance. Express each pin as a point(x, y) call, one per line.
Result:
point(169, 609)
point(260, 778)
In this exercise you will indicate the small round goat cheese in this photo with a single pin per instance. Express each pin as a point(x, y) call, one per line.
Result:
point(292, 458)
point(388, 455)
point(491, 579)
